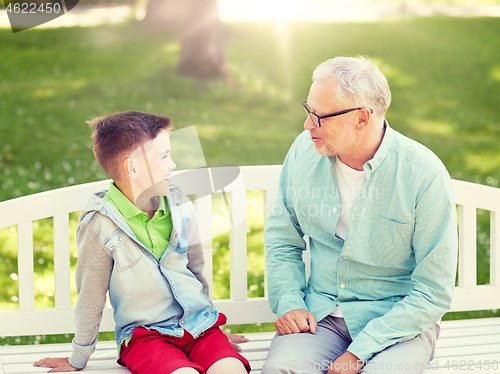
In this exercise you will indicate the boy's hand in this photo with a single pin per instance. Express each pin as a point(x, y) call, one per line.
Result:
point(58, 364)
point(234, 339)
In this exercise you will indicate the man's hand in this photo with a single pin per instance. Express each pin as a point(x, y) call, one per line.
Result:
point(298, 320)
point(234, 339)
point(347, 363)
point(58, 364)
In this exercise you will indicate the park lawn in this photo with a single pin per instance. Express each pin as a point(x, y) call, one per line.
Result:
point(444, 75)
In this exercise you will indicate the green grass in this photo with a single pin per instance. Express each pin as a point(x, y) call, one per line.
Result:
point(444, 75)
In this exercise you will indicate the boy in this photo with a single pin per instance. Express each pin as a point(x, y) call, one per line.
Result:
point(140, 241)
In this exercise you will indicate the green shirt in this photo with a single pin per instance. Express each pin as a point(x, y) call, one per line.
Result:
point(154, 233)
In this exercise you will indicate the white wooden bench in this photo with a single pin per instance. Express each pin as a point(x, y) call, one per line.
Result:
point(464, 345)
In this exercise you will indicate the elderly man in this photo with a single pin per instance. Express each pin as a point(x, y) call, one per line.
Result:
point(378, 212)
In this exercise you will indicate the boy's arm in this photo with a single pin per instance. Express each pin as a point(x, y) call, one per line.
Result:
point(93, 272)
point(196, 263)
point(196, 260)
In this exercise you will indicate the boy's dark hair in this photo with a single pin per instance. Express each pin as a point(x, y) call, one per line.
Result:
point(116, 136)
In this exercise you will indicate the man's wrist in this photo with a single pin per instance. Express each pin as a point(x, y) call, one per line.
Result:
point(288, 303)
point(346, 363)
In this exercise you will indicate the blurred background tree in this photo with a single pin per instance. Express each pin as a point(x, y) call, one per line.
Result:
point(201, 34)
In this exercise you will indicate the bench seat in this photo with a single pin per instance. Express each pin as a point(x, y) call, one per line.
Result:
point(467, 346)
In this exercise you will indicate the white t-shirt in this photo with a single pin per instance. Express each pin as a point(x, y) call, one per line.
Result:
point(349, 182)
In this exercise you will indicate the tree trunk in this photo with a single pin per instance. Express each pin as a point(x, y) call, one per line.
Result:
point(202, 54)
point(165, 15)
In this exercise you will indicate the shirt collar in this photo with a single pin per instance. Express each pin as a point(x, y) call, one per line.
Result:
point(125, 206)
point(371, 165)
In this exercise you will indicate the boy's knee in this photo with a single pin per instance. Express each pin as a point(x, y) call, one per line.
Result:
point(185, 371)
point(229, 365)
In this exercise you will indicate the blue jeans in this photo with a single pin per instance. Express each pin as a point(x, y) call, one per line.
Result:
point(306, 353)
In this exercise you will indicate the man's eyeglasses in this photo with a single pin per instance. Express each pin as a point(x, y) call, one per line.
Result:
point(316, 119)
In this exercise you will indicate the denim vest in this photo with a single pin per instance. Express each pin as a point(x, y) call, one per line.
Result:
point(163, 295)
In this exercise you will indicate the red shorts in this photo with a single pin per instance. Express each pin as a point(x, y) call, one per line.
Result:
point(149, 351)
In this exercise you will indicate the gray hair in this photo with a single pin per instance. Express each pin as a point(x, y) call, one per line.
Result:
point(361, 83)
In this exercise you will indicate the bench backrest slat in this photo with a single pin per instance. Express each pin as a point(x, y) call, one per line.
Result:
point(62, 269)
point(467, 239)
point(238, 245)
point(495, 248)
point(25, 266)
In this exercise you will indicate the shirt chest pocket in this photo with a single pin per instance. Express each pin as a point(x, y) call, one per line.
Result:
point(125, 253)
point(392, 242)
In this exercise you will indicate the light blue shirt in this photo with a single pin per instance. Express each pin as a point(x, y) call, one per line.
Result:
point(393, 277)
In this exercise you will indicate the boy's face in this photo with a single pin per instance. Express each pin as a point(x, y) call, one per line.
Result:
point(152, 167)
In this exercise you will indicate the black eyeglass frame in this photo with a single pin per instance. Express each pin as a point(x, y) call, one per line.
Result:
point(319, 118)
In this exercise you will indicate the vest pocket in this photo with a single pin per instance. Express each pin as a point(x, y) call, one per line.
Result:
point(181, 249)
point(124, 256)
point(182, 244)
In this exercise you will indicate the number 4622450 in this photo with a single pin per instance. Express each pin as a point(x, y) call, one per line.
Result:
point(32, 8)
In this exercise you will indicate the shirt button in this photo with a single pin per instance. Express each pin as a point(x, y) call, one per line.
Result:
point(182, 321)
point(342, 285)
point(176, 294)
point(120, 239)
point(153, 237)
